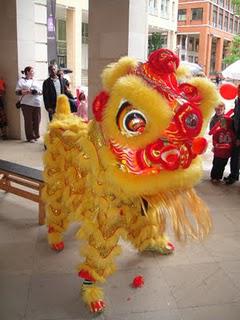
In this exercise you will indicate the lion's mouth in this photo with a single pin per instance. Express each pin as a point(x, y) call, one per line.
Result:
point(157, 157)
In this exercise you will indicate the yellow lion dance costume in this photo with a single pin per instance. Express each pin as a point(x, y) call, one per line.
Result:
point(130, 168)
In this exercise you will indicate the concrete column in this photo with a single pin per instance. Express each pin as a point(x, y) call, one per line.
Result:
point(186, 48)
point(24, 39)
point(74, 45)
point(219, 54)
point(174, 40)
point(9, 62)
point(180, 48)
point(204, 56)
point(170, 40)
point(116, 28)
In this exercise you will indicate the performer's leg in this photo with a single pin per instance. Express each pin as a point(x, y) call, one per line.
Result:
point(53, 196)
point(101, 249)
point(57, 223)
point(146, 234)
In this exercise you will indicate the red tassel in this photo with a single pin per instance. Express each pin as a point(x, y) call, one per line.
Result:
point(85, 275)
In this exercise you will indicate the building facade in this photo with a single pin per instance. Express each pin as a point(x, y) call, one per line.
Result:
point(162, 18)
point(25, 42)
point(205, 31)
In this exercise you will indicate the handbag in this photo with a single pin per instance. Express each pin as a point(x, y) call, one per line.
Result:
point(18, 103)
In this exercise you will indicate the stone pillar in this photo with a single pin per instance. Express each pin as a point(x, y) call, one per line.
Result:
point(116, 28)
point(9, 63)
point(186, 48)
point(205, 46)
point(172, 40)
point(169, 40)
point(24, 39)
point(74, 45)
point(219, 54)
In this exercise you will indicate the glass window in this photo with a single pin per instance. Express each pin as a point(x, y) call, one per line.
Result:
point(178, 40)
point(191, 44)
point(183, 42)
point(152, 7)
point(182, 14)
point(190, 58)
point(84, 32)
point(214, 19)
point(164, 40)
point(173, 11)
point(183, 57)
point(167, 6)
point(226, 23)
point(235, 26)
point(197, 13)
point(228, 4)
point(61, 30)
point(197, 45)
point(61, 43)
point(231, 24)
point(220, 20)
point(221, 3)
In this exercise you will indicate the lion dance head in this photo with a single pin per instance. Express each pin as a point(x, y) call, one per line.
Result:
point(153, 125)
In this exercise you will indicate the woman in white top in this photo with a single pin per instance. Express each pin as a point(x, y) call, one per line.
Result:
point(30, 100)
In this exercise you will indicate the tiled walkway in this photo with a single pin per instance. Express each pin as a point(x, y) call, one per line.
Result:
point(201, 281)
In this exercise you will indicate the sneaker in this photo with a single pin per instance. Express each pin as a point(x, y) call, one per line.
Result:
point(226, 178)
point(230, 181)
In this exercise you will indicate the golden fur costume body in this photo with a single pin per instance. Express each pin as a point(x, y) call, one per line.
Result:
point(131, 168)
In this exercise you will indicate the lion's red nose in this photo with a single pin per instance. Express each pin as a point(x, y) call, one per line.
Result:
point(199, 145)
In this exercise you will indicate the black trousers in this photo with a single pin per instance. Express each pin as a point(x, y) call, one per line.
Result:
point(234, 163)
point(218, 167)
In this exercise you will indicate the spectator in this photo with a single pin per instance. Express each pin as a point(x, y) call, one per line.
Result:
point(219, 114)
point(234, 162)
point(67, 91)
point(53, 86)
point(218, 79)
point(223, 142)
point(60, 74)
point(3, 116)
point(30, 91)
point(82, 110)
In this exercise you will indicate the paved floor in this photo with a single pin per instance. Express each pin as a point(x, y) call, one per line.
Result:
point(200, 281)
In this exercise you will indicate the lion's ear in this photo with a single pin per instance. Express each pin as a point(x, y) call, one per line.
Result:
point(114, 71)
point(183, 73)
point(209, 95)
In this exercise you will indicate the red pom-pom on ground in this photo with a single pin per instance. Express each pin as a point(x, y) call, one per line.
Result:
point(138, 282)
point(58, 246)
point(228, 91)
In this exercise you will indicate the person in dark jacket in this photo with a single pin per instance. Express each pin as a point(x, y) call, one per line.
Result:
point(53, 86)
point(234, 162)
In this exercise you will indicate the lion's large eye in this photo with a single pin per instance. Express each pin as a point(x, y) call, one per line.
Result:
point(192, 121)
point(130, 120)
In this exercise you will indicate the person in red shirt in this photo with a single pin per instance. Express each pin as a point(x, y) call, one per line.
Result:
point(3, 115)
point(223, 142)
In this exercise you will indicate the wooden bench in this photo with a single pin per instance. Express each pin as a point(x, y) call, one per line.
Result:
point(13, 177)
